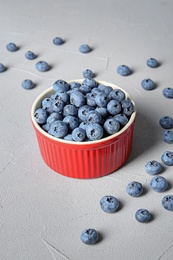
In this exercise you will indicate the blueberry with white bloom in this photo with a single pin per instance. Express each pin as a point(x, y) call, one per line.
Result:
point(90, 99)
point(142, 215)
point(123, 70)
point(114, 107)
point(109, 204)
point(84, 48)
point(102, 111)
point(42, 66)
point(85, 88)
point(102, 99)
point(166, 122)
point(105, 89)
point(47, 105)
point(71, 121)
point(167, 136)
point(94, 131)
point(127, 107)
point(58, 105)
point(148, 84)
point(58, 129)
point(167, 158)
point(53, 117)
point(83, 112)
point(134, 189)
point(152, 63)
point(77, 98)
point(75, 85)
point(70, 110)
point(40, 115)
point(153, 167)
point(30, 55)
point(61, 95)
point(168, 92)
point(58, 41)
point(84, 124)
point(111, 126)
point(68, 137)
point(89, 236)
point(88, 74)
point(2, 68)
point(27, 84)
point(94, 117)
point(60, 85)
point(159, 183)
point(78, 134)
point(122, 119)
point(167, 202)
point(11, 47)
point(117, 94)
point(90, 82)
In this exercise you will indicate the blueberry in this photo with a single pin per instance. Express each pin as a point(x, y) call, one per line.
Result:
point(84, 124)
point(84, 48)
point(75, 85)
point(114, 107)
point(71, 121)
point(88, 74)
point(30, 55)
point(11, 47)
point(102, 111)
point(77, 98)
point(47, 105)
point(105, 89)
point(94, 131)
point(83, 112)
point(70, 110)
point(94, 117)
point(85, 88)
point(58, 41)
point(123, 70)
point(90, 82)
point(168, 92)
point(167, 158)
point(60, 85)
point(152, 63)
point(89, 236)
point(166, 122)
point(127, 107)
point(68, 137)
point(158, 183)
point(90, 99)
point(142, 215)
point(58, 129)
point(117, 94)
point(153, 167)
point(78, 134)
point(109, 204)
point(53, 117)
point(111, 126)
point(148, 84)
point(167, 136)
point(41, 115)
point(122, 119)
point(45, 127)
point(134, 189)
point(61, 95)
point(27, 84)
point(2, 68)
point(167, 202)
point(102, 99)
point(42, 66)
point(58, 105)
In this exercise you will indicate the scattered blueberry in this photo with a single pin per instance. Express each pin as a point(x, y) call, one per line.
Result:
point(152, 63)
point(153, 167)
point(166, 122)
point(58, 129)
point(94, 131)
point(42, 66)
point(11, 47)
point(168, 92)
point(148, 84)
point(134, 189)
point(88, 74)
point(123, 70)
point(109, 204)
point(167, 136)
point(158, 183)
point(142, 215)
point(2, 68)
point(58, 41)
point(41, 115)
point(167, 158)
point(89, 236)
point(84, 48)
point(167, 202)
point(30, 55)
point(27, 84)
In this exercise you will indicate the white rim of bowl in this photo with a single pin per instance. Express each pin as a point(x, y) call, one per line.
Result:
point(51, 91)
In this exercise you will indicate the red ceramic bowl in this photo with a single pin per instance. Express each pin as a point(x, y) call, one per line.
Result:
point(84, 160)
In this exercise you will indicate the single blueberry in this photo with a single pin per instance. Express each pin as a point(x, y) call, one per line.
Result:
point(89, 236)
point(83, 112)
point(77, 98)
point(168, 92)
point(84, 124)
point(75, 85)
point(47, 105)
point(142, 215)
point(61, 95)
point(30, 55)
point(11, 47)
point(117, 94)
point(105, 89)
point(123, 70)
point(127, 106)
point(58, 105)
point(102, 99)
point(166, 122)
point(94, 131)
point(148, 84)
point(152, 63)
point(111, 126)
point(167, 136)
point(90, 99)
point(134, 189)
point(53, 117)
point(60, 85)
point(102, 111)
point(58, 129)
point(2, 68)
point(114, 107)
point(88, 74)
point(27, 84)
point(70, 110)
point(41, 115)
point(122, 119)
point(84, 48)
point(42, 66)
point(78, 134)
point(71, 121)
point(109, 204)
point(94, 117)
point(167, 158)
point(58, 41)
point(158, 183)
point(90, 82)
point(167, 202)
point(85, 88)
point(153, 167)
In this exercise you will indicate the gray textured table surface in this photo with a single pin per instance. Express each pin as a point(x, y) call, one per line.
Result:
point(41, 212)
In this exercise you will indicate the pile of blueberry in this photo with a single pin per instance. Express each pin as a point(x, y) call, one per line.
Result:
point(86, 111)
